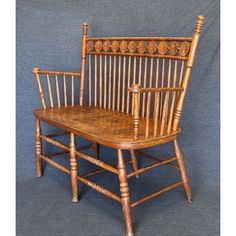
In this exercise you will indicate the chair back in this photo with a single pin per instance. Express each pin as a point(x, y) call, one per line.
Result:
point(114, 64)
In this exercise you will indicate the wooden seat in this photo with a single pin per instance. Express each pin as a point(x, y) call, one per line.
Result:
point(106, 127)
point(129, 95)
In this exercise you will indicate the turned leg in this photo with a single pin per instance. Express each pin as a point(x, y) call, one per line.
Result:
point(95, 147)
point(134, 161)
point(184, 176)
point(38, 149)
point(124, 189)
point(74, 169)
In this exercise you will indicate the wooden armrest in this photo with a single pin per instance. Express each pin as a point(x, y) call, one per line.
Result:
point(39, 71)
point(138, 89)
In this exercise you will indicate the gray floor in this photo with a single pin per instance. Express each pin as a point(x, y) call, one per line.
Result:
point(44, 207)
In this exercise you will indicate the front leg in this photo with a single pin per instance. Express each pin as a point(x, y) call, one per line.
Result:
point(38, 149)
point(124, 189)
point(73, 169)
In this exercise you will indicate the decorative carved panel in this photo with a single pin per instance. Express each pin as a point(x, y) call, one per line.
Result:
point(123, 46)
point(115, 46)
point(98, 46)
point(151, 47)
point(184, 49)
point(106, 46)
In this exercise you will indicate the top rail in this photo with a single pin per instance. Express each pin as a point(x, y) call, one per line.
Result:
point(38, 71)
point(189, 39)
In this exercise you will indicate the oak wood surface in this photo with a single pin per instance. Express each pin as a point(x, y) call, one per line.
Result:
point(110, 128)
point(136, 90)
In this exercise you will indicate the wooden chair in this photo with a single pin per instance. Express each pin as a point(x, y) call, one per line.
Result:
point(135, 91)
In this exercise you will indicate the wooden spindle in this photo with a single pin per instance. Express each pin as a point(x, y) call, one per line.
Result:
point(90, 82)
point(162, 85)
point(134, 81)
point(156, 102)
point(105, 83)
point(72, 91)
point(173, 100)
point(114, 84)
point(166, 102)
point(151, 73)
point(181, 77)
point(144, 85)
point(181, 74)
point(136, 99)
point(58, 92)
point(157, 81)
point(148, 114)
point(119, 78)
point(128, 85)
point(109, 85)
point(95, 79)
point(169, 73)
point(100, 82)
point(50, 91)
point(65, 94)
point(140, 71)
point(149, 101)
point(123, 85)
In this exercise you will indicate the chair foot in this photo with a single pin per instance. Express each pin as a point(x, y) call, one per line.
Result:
point(75, 199)
point(39, 175)
point(130, 234)
point(188, 191)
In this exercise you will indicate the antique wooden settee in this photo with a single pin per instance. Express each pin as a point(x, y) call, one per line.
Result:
point(131, 96)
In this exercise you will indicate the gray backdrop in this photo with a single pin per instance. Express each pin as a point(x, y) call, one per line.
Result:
point(48, 36)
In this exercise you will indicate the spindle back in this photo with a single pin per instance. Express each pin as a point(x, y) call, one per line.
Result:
point(57, 89)
point(158, 69)
point(115, 64)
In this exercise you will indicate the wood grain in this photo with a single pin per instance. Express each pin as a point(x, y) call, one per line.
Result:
point(135, 95)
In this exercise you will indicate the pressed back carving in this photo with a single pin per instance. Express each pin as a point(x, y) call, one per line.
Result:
point(162, 47)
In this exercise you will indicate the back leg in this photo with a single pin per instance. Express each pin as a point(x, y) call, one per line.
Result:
point(182, 168)
point(134, 161)
point(95, 147)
